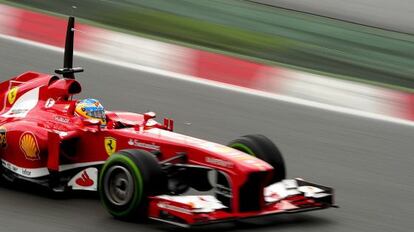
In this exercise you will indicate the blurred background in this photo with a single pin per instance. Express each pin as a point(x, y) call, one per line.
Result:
point(350, 42)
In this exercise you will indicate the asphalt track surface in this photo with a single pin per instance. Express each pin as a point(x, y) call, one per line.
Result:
point(368, 162)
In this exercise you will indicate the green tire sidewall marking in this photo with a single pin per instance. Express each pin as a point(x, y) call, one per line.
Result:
point(242, 147)
point(138, 194)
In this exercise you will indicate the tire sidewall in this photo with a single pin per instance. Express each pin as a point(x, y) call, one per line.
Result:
point(138, 195)
point(262, 148)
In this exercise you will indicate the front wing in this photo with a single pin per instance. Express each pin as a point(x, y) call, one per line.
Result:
point(287, 196)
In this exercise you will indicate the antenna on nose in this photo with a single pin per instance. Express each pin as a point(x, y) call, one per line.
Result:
point(68, 71)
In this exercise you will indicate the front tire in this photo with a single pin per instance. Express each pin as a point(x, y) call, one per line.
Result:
point(126, 180)
point(262, 148)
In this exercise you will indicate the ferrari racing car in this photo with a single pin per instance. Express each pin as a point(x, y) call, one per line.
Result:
point(140, 167)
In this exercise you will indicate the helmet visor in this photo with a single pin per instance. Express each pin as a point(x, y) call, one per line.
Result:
point(96, 113)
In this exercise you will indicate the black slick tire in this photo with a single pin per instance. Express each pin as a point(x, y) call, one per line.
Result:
point(126, 180)
point(262, 148)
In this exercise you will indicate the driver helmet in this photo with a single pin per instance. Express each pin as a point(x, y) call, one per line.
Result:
point(91, 109)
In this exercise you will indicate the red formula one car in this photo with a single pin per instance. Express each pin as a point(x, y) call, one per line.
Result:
point(140, 168)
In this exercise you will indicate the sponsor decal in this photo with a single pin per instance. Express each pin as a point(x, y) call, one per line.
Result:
point(15, 112)
point(9, 166)
point(11, 95)
point(167, 205)
point(190, 204)
point(310, 191)
point(86, 179)
point(219, 162)
point(49, 103)
point(24, 171)
point(137, 143)
point(23, 104)
point(27, 172)
point(3, 138)
point(28, 145)
point(227, 151)
point(110, 145)
point(62, 119)
point(43, 171)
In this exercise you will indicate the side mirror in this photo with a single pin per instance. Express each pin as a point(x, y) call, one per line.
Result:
point(148, 116)
point(169, 124)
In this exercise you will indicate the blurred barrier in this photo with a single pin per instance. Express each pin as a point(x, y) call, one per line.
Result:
point(257, 31)
point(130, 49)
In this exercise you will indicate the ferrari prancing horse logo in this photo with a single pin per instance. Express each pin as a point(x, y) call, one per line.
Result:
point(110, 145)
point(11, 95)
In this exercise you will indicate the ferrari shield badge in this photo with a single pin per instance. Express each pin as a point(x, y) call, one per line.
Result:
point(110, 145)
point(11, 95)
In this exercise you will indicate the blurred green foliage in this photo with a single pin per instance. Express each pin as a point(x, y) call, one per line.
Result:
point(258, 32)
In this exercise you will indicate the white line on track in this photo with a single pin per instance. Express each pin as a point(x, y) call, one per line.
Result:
point(221, 85)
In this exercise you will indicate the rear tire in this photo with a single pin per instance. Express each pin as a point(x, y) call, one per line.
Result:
point(126, 180)
point(262, 148)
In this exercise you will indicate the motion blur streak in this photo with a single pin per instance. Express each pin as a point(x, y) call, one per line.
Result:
point(392, 15)
point(215, 69)
point(285, 98)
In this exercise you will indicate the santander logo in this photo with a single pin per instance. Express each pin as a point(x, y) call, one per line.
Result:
point(84, 180)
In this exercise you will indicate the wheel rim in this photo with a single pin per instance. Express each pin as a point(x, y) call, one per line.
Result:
point(119, 185)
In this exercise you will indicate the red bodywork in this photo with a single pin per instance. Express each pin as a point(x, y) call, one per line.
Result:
point(42, 137)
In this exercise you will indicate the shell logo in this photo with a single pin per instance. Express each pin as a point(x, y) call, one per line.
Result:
point(3, 137)
point(28, 145)
point(11, 95)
